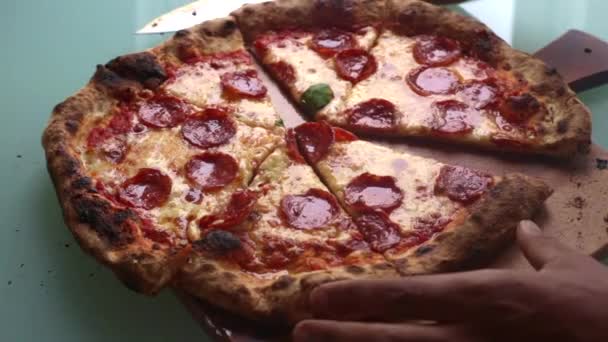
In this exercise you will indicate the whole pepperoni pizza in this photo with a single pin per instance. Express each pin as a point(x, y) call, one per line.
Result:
point(173, 167)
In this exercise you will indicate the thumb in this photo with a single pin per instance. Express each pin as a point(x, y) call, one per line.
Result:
point(537, 247)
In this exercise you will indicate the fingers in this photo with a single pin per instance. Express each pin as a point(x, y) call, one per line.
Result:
point(539, 248)
point(448, 297)
point(320, 331)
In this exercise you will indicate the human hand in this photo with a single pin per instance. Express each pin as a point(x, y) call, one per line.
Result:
point(565, 299)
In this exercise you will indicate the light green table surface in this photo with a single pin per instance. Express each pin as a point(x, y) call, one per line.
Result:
point(48, 290)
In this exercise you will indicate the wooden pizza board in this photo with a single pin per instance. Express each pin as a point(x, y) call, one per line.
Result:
point(576, 213)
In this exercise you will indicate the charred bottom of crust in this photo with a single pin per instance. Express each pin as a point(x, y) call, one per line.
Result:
point(109, 224)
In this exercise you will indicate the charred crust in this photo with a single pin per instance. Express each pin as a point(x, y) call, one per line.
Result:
point(563, 125)
point(422, 250)
point(383, 266)
point(282, 283)
point(229, 276)
point(82, 183)
point(182, 34)
point(228, 28)
point(207, 268)
point(98, 215)
point(218, 242)
point(141, 67)
point(72, 126)
point(354, 269)
point(121, 216)
point(115, 85)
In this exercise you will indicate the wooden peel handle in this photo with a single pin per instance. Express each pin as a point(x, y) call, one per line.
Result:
point(580, 58)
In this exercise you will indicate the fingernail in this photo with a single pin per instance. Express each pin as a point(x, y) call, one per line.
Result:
point(530, 228)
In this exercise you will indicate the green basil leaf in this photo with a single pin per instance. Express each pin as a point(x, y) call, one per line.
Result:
point(316, 97)
point(279, 123)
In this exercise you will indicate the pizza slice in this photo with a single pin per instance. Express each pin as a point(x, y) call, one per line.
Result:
point(275, 241)
point(445, 76)
point(138, 157)
point(431, 73)
point(316, 50)
point(425, 216)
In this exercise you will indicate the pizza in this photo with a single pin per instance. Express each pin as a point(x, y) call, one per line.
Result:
point(422, 215)
point(173, 167)
point(410, 69)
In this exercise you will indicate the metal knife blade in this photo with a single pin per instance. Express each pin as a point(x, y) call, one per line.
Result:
point(192, 14)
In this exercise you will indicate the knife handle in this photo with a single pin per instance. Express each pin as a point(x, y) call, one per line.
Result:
point(580, 58)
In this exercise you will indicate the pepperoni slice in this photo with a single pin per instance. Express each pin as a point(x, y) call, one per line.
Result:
point(376, 115)
point(378, 230)
point(238, 210)
point(331, 41)
point(427, 81)
point(245, 83)
point(212, 128)
point(292, 147)
point(284, 72)
point(461, 184)
point(314, 139)
point(517, 109)
point(342, 135)
point(309, 211)
point(453, 117)
point(153, 233)
point(436, 51)
point(148, 189)
point(212, 170)
point(355, 65)
point(368, 191)
point(163, 111)
point(479, 94)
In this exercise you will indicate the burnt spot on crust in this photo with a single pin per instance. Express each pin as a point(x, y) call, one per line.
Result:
point(218, 242)
point(228, 276)
point(327, 11)
point(98, 214)
point(182, 33)
point(354, 269)
point(282, 283)
point(121, 216)
point(423, 250)
point(382, 266)
point(69, 165)
point(228, 27)
point(220, 28)
point(243, 291)
point(141, 67)
point(483, 45)
point(563, 125)
point(313, 280)
point(117, 86)
point(72, 126)
point(207, 268)
point(82, 183)
point(412, 21)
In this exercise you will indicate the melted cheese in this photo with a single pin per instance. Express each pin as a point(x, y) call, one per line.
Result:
point(346, 161)
point(200, 84)
point(395, 60)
